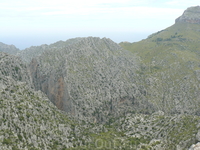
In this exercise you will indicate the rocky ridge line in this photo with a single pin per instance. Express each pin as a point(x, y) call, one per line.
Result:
point(191, 15)
point(10, 49)
point(92, 78)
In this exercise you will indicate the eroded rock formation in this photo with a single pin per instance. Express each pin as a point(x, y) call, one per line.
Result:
point(190, 15)
point(10, 49)
point(93, 78)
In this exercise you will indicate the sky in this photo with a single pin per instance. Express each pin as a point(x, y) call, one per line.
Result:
point(26, 23)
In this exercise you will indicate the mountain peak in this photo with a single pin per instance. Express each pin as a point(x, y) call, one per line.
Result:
point(190, 15)
point(10, 49)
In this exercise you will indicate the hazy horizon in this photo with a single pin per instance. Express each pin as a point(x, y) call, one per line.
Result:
point(33, 23)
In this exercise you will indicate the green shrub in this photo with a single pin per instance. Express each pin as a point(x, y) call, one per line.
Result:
point(7, 141)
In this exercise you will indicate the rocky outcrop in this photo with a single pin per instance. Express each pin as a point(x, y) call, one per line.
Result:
point(195, 147)
point(191, 15)
point(159, 131)
point(53, 86)
point(10, 49)
point(91, 78)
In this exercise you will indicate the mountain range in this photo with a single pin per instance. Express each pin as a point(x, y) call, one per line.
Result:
point(92, 93)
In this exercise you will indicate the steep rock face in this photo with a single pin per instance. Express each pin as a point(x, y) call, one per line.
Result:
point(191, 15)
point(93, 78)
point(10, 49)
point(53, 85)
point(14, 67)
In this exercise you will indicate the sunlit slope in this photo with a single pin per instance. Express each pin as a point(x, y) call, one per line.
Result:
point(177, 41)
point(171, 70)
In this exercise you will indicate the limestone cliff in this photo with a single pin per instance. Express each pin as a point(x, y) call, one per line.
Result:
point(92, 78)
point(191, 15)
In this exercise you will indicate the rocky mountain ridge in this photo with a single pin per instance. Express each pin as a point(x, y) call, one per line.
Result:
point(35, 51)
point(11, 49)
point(28, 120)
point(171, 67)
point(144, 97)
point(93, 78)
point(191, 15)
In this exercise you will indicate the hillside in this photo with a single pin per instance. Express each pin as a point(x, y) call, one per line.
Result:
point(172, 67)
point(91, 93)
point(15, 68)
point(30, 121)
point(92, 78)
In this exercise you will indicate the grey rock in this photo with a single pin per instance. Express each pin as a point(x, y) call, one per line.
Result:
point(28, 117)
point(10, 49)
point(191, 15)
point(35, 51)
point(91, 78)
point(195, 147)
point(15, 68)
point(198, 135)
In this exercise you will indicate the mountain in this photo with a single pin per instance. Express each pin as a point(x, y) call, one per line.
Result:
point(35, 51)
point(15, 68)
point(171, 70)
point(90, 78)
point(91, 93)
point(30, 121)
point(191, 15)
point(29, 53)
point(10, 49)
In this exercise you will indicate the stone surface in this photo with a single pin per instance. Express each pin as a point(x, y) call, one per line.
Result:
point(10, 49)
point(118, 100)
point(191, 15)
point(195, 147)
point(90, 77)
point(15, 68)
point(29, 120)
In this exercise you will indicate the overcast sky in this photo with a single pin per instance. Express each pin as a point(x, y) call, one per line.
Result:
point(25, 23)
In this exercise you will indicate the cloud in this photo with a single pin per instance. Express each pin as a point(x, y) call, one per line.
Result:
point(62, 17)
point(182, 3)
point(65, 7)
point(87, 14)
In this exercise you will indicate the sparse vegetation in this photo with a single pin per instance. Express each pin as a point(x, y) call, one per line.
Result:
point(113, 99)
